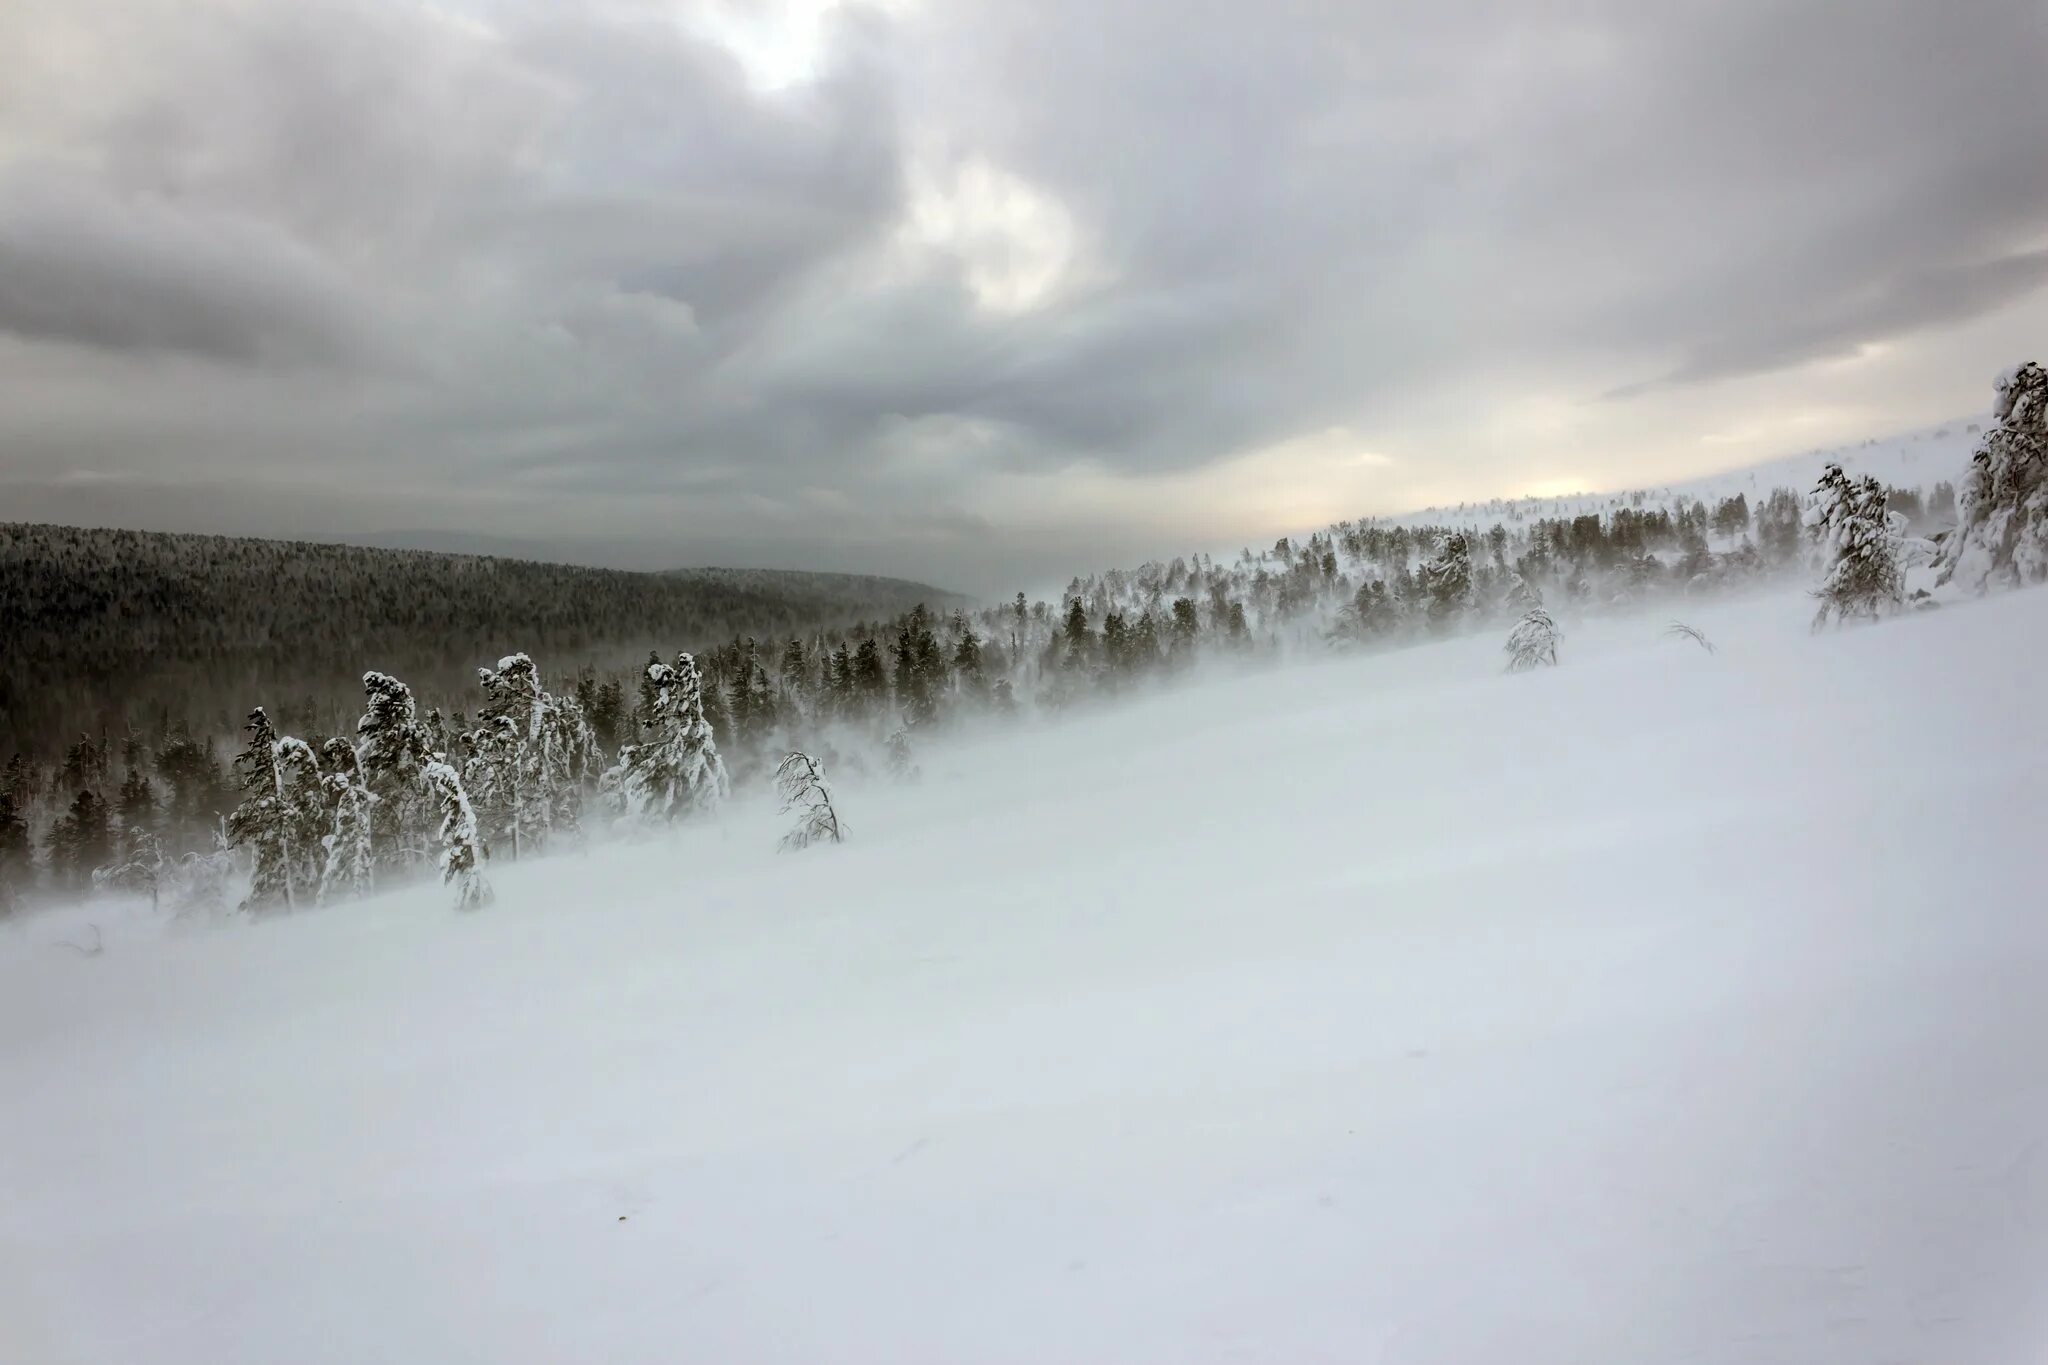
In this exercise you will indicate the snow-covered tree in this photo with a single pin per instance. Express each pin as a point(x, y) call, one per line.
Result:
point(920, 668)
point(141, 869)
point(136, 807)
point(508, 774)
point(1447, 579)
point(800, 782)
point(675, 768)
point(394, 747)
point(462, 854)
point(278, 820)
point(347, 866)
point(2002, 537)
point(1858, 541)
point(1533, 642)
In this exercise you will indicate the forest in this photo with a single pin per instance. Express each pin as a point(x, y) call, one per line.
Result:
point(542, 750)
point(108, 630)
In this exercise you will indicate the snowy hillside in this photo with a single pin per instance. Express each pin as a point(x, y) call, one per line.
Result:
point(1667, 1006)
point(1911, 460)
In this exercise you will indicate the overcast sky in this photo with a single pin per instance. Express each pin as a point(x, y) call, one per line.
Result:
point(984, 291)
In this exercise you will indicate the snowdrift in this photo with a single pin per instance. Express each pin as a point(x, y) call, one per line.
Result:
point(1662, 1006)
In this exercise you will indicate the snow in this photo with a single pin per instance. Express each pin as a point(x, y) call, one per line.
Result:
point(1662, 1006)
point(1917, 459)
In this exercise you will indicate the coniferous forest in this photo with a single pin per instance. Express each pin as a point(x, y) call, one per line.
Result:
point(497, 719)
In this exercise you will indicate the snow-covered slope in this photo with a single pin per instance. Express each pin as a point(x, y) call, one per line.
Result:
point(1912, 459)
point(1668, 1006)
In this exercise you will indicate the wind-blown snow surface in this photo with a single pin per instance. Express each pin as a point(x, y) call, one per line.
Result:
point(1663, 1007)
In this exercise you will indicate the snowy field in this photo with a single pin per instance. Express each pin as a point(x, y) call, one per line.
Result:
point(1667, 1007)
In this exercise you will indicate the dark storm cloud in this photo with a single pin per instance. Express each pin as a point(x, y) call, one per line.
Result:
point(585, 267)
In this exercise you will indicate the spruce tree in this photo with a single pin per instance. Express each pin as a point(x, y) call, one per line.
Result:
point(192, 771)
point(141, 868)
point(1187, 626)
point(1447, 579)
point(462, 854)
point(1144, 643)
point(675, 770)
point(967, 662)
point(136, 805)
point(529, 756)
point(347, 867)
point(394, 747)
point(2002, 537)
point(839, 682)
point(919, 668)
point(1858, 542)
point(870, 678)
point(279, 819)
point(80, 841)
point(794, 679)
point(1078, 639)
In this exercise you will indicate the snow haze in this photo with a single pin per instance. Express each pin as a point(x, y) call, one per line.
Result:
point(1664, 1006)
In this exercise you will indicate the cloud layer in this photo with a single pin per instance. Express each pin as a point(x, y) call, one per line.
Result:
point(978, 290)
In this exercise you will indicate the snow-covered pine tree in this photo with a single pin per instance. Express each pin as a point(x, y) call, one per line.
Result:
point(800, 782)
point(837, 698)
point(347, 869)
point(967, 674)
point(920, 668)
point(794, 679)
point(675, 769)
point(1447, 579)
point(902, 766)
point(1859, 547)
point(394, 747)
point(1236, 629)
point(140, 869)
point(2002, 537)
point(492, 776)
point(1144, 643)
point(529, 751)
point(870, 678)
point(579, 757)
point(1533, 642)
point(278, 820)
point(1185, 629)
point(461, 858)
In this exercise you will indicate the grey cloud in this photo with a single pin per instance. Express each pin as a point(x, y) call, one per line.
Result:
point(574, 256)
point(1885, 308)
point(142, 274)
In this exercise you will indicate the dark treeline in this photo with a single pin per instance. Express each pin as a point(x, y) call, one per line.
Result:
point(105, 631)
